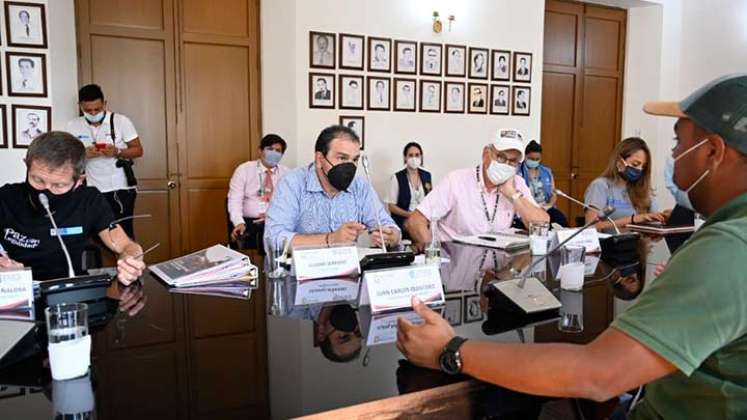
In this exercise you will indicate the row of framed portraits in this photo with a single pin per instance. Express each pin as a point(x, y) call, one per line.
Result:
point(348, 52)
point(411, 95)
point(28, 121)
point(26, 24)
point(26, 74)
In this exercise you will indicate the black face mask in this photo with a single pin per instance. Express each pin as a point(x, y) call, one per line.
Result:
point(56, 201)
point(343, 318)
point(342, 175)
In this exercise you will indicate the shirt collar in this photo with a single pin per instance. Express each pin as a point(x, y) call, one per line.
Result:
point(265, 168)
point(735, 208)
point(312, 179)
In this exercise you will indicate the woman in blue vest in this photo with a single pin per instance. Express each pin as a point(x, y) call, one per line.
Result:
point(409, 186)
point(540, 181)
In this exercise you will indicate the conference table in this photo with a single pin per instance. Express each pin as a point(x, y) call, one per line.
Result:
point(159, 354)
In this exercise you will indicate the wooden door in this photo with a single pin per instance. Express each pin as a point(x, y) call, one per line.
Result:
point(584, 55)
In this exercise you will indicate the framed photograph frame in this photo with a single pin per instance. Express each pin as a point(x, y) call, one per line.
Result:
point(472, 310)
point(431, 59)
point(453, 311)
point(4, 127)
point(379, 54)
point(521, 101)
point(317, 96)
point(452, 105)
point(321, 56)
point(26, 74)
point(478, 63)
point(405, 57)
point(379, 93)
point(430, 99)
point(26, 24)
point(356, 123)
point(351, 91)
point(478, 98)
point(456, 64)
point(352, 51)
point(405, 100)
point(500, 104)
point(29, 121)
point(522, 67)
point(500, 65)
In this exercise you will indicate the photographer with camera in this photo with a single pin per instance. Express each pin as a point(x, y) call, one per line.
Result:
point(111, 143)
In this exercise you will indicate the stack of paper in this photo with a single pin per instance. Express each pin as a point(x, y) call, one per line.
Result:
point(234, 289)
point(215, 265)
point(507, 241)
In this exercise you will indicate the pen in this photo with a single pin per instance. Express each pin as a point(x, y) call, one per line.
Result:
point(146, 251)
point(487, 238)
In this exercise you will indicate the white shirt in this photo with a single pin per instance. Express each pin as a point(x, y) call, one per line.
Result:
point(416, 195)
point(102, 172)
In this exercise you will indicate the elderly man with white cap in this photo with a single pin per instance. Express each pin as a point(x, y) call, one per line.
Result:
point(480, 199)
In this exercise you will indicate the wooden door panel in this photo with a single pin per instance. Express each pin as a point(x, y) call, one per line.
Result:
point(602, 44)
point(217, 17)
point(153, 230)
point(143, 14)
point(206, 225)
point(600, 114)
point(560, 38)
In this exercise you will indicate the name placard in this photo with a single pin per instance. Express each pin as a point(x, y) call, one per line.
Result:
point(391, 289)
point(319, 263)
point(383, 328)
point(16, 289)
point(588, 239)
point(311, 292)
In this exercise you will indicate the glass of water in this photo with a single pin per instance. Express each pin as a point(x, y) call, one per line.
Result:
point(572, 312)
point(572, 267)
point(433, 249)
point(69, 341)
point(539, 237)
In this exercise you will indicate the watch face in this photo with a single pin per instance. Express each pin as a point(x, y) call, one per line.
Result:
point(450, 363)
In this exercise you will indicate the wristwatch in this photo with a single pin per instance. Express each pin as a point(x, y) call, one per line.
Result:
point(450, 359)
point(517, 195)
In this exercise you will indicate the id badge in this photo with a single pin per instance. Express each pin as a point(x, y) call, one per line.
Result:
point(263, 205)
point(66, 231)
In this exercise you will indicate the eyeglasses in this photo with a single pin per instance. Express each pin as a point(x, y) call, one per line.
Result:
point(501, 158)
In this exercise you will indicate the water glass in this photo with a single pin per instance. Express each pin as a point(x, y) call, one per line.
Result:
point(572, 312)
point(274, 263)
point(69, 341)
point(73, 399)
point(539, 237)
point(572, 267)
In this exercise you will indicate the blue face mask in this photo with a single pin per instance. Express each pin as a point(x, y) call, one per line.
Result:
point(680, 197)
point(272, 157)
point(532, 164)
point(630, 173)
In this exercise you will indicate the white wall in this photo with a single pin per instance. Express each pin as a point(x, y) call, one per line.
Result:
point(62, 72)
point(450, 141)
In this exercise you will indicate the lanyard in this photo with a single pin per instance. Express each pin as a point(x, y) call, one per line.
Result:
point(482, 198)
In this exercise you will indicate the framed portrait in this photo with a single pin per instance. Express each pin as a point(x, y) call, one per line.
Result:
point(478, 63)
point(379, 92)
point(405, 94)
point(456, 66)
point(453, 311)
point(430, 59)
point(321, 50)
point(356, 123)
point(478, 98)
point(28, 122)
point(522, 96)
point(430, 96)
point(454, 97)
point(501, 69)
point(26, 24)
point(522, 67)
point(321, 90)
point(379, 54)
point(351, 91)
point(406, 53)
point(472, 310)
point(352, 51)
point(3, 127)
point(500, 99)
point(27, 74)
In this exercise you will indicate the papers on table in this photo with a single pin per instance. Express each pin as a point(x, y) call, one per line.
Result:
point(507, 241)
point(210, 266)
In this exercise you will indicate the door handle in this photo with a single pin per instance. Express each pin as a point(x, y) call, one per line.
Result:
point(574, 175)
point(171, 185)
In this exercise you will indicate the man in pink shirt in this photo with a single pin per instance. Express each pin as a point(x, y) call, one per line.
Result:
point(481, 199)
point(251, 188)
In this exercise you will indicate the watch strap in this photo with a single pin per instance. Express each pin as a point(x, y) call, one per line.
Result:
point(453, 345)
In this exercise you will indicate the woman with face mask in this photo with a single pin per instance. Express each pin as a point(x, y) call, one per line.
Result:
point(541, 182)
point(626, 186)
point(408, 187)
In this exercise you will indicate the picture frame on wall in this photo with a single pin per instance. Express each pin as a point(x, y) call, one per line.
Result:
point(521, 100)
point(406, 53)
point(3, 127)
point(501, 65)
point(472, 310)
point(456, 66)
point(522, 67)
point(430, 95)
point(26, 74)
point(453, 311)
point(405, 95)
point(379, 93)
point(430, 59)
point(321, 90)
point(356, 123)
point(321, 50)
point(26, 24)
point(351, 89)
point(379, 54)
point(352, 51)
point(454, 94)
point(29, 121)
point(500, 99)
point(478, 98)
point(478, 63)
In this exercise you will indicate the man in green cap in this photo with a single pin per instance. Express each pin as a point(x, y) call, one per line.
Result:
point(686, 337)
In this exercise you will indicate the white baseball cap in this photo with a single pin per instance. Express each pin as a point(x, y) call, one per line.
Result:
point(509, 139)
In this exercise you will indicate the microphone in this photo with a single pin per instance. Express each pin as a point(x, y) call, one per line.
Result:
point(364, 163)
point(587, 206)
point(604, 215)
point(45, 203)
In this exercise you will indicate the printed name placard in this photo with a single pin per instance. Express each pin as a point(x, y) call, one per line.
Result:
point(319, 263)
point(383, 328)
point(391, 289)
point(588, 239)
point(16, 289)
point(310, 292)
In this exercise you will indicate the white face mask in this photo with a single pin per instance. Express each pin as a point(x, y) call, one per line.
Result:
point(499, 173)
point(413, 162)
